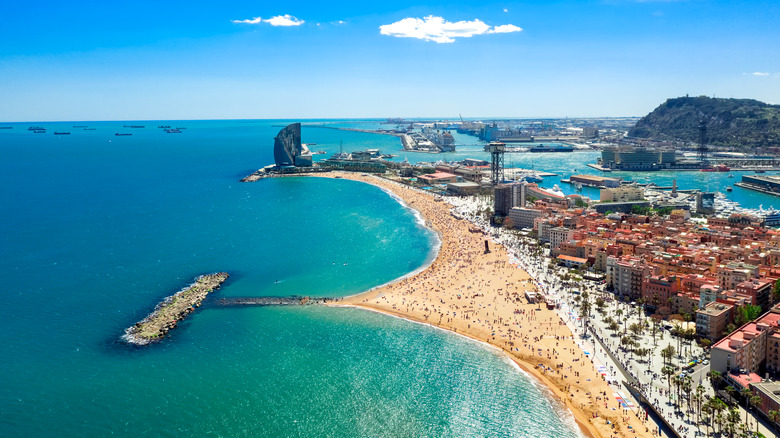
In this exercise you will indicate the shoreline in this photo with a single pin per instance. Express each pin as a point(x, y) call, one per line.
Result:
point(419, 296)
point(525, 368)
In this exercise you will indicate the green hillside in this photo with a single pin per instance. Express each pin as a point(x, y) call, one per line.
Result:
point(740, 123)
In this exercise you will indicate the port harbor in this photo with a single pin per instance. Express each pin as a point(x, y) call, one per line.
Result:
point(172, 309)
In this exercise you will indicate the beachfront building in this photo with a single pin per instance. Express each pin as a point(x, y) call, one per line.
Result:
point(711, 321)
point(508, 196)
point(558, 235)
point(438, 178)
point(463, 188)
point(288, 149)
point(524, 217)
point(572, 262)
point(746, 348)
point(625, 276)
point(657, 290)
point(769, 393)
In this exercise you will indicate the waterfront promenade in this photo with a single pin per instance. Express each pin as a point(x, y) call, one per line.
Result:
point(482, 296)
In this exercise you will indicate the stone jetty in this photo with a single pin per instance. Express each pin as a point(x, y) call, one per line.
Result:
point(271, 301)
point(173, 309)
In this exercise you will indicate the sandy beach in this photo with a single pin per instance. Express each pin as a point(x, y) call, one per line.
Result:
point(482, 296)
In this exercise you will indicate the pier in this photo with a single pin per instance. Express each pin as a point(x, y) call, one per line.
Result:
point(271, 301)
point(173, 309)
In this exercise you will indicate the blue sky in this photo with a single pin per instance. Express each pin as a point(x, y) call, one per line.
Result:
point(144, 60)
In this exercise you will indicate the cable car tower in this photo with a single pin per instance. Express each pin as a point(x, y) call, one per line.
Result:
point(497, 162)
point(702, 149)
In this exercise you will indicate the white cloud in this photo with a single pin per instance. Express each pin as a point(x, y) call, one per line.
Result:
point(256, 20)
point(284, 20)
point(505, 28)
point(757, 73)
point(279, 20)
point(439, 30)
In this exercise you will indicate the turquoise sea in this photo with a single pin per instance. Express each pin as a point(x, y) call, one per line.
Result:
point(97, 228)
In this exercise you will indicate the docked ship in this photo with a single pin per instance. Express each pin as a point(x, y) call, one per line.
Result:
point(551, 148)
point(716, 168)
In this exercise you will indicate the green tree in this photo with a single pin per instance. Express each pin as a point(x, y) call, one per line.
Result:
point(755, 402)
point(636, 329)
point(668, 353)
point(774, 417)
point(668, 372)
point(776, 292)
point(715, 378)
point(747, 313)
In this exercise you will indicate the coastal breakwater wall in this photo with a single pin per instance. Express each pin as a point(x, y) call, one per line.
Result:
point(173, 309)
point(272, 301)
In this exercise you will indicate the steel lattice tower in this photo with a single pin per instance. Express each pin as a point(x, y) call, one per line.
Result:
point(497, 162)
point(702, 141)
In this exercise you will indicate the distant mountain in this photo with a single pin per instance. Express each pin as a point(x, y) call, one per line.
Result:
point(741, 123)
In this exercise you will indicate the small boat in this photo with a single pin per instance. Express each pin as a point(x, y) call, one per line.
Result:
point(121, 134)
point(36, 128)
point(79, 126)
point(6, 127)
point(578, 187)
point(62, 133)
point(134, 126)
point(39, 131)
point(164, 126)
point(731, 175)
point(173, 131)
point(90, 129)
point(729, 188)
point(760, 171)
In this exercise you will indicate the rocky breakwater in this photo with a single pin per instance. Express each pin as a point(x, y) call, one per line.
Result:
point(272, 301)
point(173, 309)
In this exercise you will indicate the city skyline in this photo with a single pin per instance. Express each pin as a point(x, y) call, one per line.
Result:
point(609, 58)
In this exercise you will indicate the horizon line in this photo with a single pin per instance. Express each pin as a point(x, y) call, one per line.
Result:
point(455, 118)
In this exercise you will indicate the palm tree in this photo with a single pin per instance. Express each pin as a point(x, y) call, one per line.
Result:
point(719, 421)
point(668, 372)
point(687, 386)
point(707, 409)
point(697, 398)
point(731, 391)
point(755, 401)
point(732, 419)
point(667, 353)
point(746, 392)
point(715, 378)
point(774, 417)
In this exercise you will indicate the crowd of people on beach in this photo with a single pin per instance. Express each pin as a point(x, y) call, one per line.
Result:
point(482, 295)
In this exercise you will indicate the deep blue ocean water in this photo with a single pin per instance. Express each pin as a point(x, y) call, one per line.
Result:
point(98, 228)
